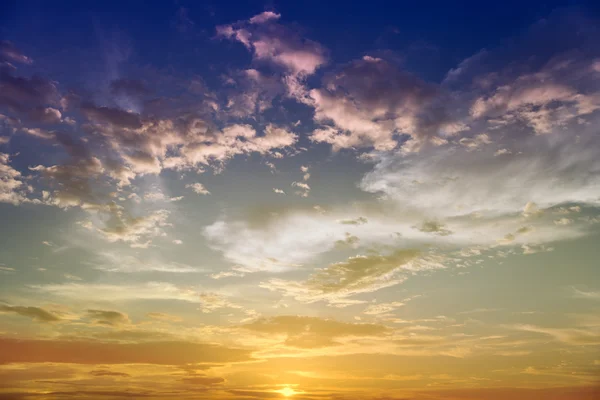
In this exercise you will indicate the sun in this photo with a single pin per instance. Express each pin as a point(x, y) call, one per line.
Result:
point(287, 391)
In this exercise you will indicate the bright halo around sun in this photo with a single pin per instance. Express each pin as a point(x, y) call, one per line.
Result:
point(287, 391)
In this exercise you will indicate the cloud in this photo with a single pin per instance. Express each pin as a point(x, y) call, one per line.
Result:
point(582, 336)
point(9, 52)
point(214, 301)
point(312, 332)
point(278, 191)
point(263, 17)
point(543, 100)
point(358, 274)
point(250, 92)
point(277, 44)
point(164, 317)
point(134, 230)
point(434, 227)
point(304, 188)
point(35, 313)
point(198, 188)
point(112, 116)
point(126, 262)
point(591, 295)
point(125, 292)
point(383, 308)
point(357, 221)
point(110, 318)
point(370, 101)
point(26, 96)
point(237, 139)
point(13, 189)
point(90, 352)
point(101, 372)
point(283, 240)
point(450, 181)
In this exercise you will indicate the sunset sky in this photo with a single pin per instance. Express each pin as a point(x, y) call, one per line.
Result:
point(310, 200)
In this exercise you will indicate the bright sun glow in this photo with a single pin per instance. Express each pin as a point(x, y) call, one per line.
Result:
point(287, 391)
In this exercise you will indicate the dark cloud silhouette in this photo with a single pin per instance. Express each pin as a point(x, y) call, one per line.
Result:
point(88, 352)
point(36, 313)
point(111, 318)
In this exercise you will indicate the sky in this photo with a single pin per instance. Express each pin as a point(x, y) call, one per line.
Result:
point(308, 200)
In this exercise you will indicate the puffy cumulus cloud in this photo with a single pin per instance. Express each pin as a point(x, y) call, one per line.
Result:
point(504, 91)
point(29, 97)
point(477, 141)
point(13, 188)
point(280, 46)
point(238, 139)
point(304, 188)
point(73, 182)
point(275, 43)
point(551, 97)
point(96, 352)
point(137, 231)
point(197, 188)
point(187, 144)
point(543, 93)
point(35, 313)
point(251, 92)
point(371, 101)
point(313, 332)
point(107, 317)
point(451, 181)
point(81, 181)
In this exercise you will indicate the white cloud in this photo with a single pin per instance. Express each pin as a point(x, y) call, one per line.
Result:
point(450, 181)
point(12, 187)
point(264, 17)
point(198, 188)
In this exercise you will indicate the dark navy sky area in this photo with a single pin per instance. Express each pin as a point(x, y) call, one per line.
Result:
point(433, 36)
